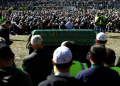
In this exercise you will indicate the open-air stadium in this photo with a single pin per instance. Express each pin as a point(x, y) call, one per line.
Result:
point(42, 9)
point(57, 21)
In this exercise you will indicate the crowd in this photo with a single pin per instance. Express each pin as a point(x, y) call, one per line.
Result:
point(5, 4)
point(24, 22)
point(62, 68)
point(41, 68)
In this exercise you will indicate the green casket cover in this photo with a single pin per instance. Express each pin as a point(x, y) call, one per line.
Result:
point(57, 36)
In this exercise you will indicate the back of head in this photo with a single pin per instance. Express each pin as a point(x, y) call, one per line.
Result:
point(98, 53)
point(101, 38)
point(62, 57)
point(110, 59)
point(36, 41)
point(6, 53)
point(72, 46)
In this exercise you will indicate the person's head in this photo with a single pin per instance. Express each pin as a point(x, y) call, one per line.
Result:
point(49, 24)
point(62, 58)
point(7, 24)
point(97, 53)
point(98, 13)
point(72, 46)
point(53, 24)
point(101, 38)
point(110, 58)
point(6, 56)
point(62, 23)
point(82, 24)
point(69, 22)
point(76, 25)
point(37, 42)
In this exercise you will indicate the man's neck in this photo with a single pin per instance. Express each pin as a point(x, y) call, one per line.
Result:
point(106, 65)
point(95, 63)
point(66, 70)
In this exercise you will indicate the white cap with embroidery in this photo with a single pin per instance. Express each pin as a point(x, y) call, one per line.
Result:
point(101, 36)
point(62, 55)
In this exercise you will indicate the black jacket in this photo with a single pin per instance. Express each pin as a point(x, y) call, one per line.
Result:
point(53, 80)
point(11, 76)
point(38, 65)
point(5, 34)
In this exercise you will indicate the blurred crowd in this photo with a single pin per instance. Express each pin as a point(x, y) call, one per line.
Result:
point(24, 22)
point(4, 5)
point(80, 16)
point(62, 67)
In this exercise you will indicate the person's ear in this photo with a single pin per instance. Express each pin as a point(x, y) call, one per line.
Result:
point(12, 60)
point(90, 57)
point(53, 62)
point(106, 42)
point(32, 46)
point(71, 63)
point(96, 41)
point(42, 43)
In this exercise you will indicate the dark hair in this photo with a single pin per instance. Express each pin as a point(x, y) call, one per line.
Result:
point(7, 22)
point(6, 53)
point(72, 46)
point(98, 53)
point(63, 66)
point(110, 59)
point(101, 42)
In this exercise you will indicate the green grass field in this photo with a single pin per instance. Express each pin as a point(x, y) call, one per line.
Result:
point(20, 41)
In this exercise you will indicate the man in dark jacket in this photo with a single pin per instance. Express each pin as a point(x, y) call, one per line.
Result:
point(98, 73)
point(4, 32)
point(62, 59)
point(13, 29)
point(101, 38)
point(10, 75)
point(62, 26)
point(38, 64)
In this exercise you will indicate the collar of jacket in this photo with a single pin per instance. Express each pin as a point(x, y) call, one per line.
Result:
point(63, 74)
point(97, 65)
point(112, 66)
point(39, 50)
point(54, 77)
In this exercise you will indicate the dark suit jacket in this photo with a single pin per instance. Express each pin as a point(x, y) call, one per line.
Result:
point(5, 34)
point(54, 80)
point(38, 65)
point(99, 76)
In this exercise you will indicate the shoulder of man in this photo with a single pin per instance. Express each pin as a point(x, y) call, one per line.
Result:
point(61, 80)
point(24, 78)
point(2, 27)
point(16, 76)
point(36, 54)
